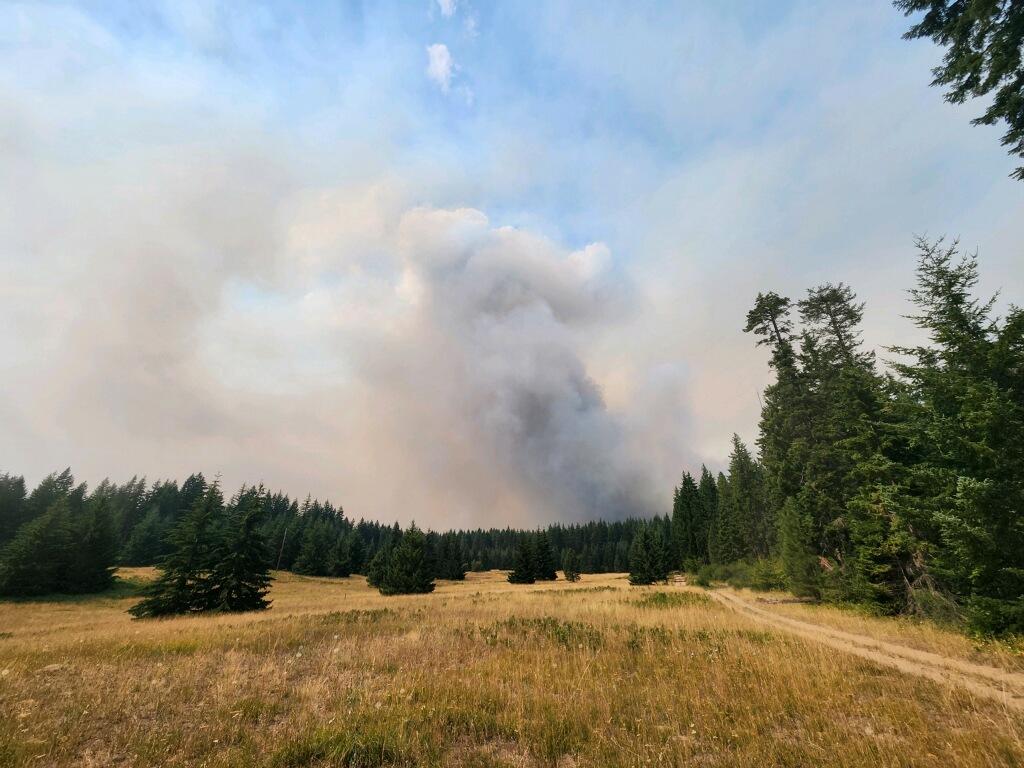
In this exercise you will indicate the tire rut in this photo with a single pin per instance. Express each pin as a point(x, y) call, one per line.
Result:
point(993, 683)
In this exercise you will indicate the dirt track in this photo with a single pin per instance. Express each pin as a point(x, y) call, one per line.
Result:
point(990, 682)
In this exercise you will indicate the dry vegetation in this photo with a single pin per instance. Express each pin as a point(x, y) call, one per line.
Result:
point(480, 673)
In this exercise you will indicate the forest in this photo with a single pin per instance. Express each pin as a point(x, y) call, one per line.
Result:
point(895, 483)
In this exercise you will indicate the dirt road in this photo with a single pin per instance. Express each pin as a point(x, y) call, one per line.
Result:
point(989, 682)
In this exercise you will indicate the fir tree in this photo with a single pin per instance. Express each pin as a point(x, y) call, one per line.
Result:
point(409, 568)
point(185, 584)
point(95, 549)
point(13, 510)
point(524, 570)
point(571, 566)
point(341, 561)
point(543, 558)
point(240, 575)
point(147, 542)
point(642, 568)
point(38, 559)
point(983, 41)
point(316, 553)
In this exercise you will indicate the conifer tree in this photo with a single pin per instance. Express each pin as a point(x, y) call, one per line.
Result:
point(378, 566)
point(356, 551)
point(185, 585)
point(708, 507)
point(661, 554)
point(686, 524)
point(642, 569)
point(543, 558)
point(38, 559)
point(13, 509)
point(341, 560)
point(524, 569)
point(147, 542)
point(409, 568)
point(240, 574)
point(316, 553)
point(571, 566)
point(94, 548)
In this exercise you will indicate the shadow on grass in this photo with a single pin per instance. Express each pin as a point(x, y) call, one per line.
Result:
point(121, 589)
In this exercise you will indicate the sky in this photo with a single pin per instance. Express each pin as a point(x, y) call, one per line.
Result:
point(460, 262)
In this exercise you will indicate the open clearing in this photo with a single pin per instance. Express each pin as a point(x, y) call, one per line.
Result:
point(484, 673)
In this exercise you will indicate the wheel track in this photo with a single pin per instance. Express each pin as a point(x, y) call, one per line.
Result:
point(993, 683)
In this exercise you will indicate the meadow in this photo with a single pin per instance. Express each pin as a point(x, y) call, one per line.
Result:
point(481, 673)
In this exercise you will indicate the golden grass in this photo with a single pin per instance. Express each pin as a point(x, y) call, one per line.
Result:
point(481, 673)
point(915, 633)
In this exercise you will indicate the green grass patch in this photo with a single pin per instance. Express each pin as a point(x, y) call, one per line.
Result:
point(341, 748)
point(672, 600)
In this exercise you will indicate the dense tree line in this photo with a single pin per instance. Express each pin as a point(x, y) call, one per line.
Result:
point(901, 488)
point(141, 524)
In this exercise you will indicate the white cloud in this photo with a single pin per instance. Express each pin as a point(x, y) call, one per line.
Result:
point(447, 7)
point(439, 65)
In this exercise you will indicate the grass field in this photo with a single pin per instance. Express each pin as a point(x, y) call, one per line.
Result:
point(480, 673)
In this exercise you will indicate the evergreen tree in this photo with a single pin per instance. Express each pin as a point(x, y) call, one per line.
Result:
point(642, 569)
point(356, 551)
point(755, 524)
point(524, 570)
point(726, 543)
point(983, 40)
point(378, 567)
point(240, 577)
point(686, 524)
point(450, 562)
point(185, 583)
point(147, 542)
point(707, 504)
point(37, 561)
point(543, 558)
point(660, 553)
point(316, 553)
point(571, 566)
point(13, 510)
point(95, 549)
point(341, 565)
point(409, 568)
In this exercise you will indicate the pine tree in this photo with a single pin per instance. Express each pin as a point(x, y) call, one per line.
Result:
point(185, 584)
point(524, 569)
point(409, 568)
point(571, 566)
point(543, 558)
point(240, 575)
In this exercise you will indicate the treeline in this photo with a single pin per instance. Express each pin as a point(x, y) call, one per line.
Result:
point(902, 487)
point(60, 537)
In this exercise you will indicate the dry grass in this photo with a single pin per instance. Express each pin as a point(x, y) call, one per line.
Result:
point(915, 633)
point(481, 673)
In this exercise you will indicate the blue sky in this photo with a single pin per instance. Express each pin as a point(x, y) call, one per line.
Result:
point(497, 254)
